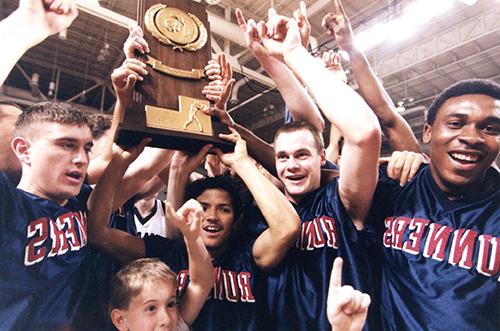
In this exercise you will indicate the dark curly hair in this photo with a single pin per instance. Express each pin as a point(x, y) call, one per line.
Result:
point(238, 194)
point(469, 86)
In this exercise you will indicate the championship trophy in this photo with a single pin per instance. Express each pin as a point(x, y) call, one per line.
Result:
point(168, 105)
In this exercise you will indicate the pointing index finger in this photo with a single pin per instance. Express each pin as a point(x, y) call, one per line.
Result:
point(336, 275)
point(338, 8)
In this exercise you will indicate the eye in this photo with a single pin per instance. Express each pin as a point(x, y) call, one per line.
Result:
point(151, 309)
point(302, 155)
point(281, 157)
point(454, 124)
point(88, 149)
point(68, 146)
point(492, 130)
point(226, 210)
point(172, 304)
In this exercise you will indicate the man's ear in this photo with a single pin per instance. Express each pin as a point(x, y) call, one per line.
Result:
point(427, 134)
point(322, 155)
point(119, 320)
point(21, 147)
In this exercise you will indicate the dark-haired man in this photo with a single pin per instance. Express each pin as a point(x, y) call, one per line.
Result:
point(237, 260)
point(332, 215)
point(440, 232)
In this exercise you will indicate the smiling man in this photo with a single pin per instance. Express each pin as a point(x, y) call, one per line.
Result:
point(440, 232)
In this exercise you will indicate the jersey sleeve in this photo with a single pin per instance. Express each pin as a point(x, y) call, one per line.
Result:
point(172, 252)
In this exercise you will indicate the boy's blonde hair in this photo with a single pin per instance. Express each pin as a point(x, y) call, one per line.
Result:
point(129, 281)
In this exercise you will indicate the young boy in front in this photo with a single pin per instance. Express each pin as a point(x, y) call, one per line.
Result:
point(144, 297)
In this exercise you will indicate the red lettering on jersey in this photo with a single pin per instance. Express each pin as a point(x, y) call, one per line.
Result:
point(245, 287)
point(489, 255)
point(81, 220)
point(57, 234)
point(328, 225)
point(230, 285)
point(388, 232)
point(437, 238)
point(318, 238)
point(398, 228)
point(71, 234)
point(182, 277)
point(307, 236)
point(462, 248)
point(412, 245)
point(219, 283)
point(34, 251)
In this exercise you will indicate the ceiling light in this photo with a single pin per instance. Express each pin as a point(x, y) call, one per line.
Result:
point(414, 15)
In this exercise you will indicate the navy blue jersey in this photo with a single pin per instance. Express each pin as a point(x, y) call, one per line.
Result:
point(441, 257)
point(44, 263)
point(231, 304)
point(297, 289)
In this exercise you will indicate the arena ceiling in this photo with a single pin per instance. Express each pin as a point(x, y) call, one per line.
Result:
point(460, 42)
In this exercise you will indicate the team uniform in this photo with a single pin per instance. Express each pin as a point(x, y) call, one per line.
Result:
point(44, 264)
point(154, 223)
point(232, 303)
point(297, 289)
point(441, 258)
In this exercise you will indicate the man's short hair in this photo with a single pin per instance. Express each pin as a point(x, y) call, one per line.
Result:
point(237, 193)
point(130, 280)
point(51, 112)
point(301, 125)
point(469, 86)
point(100, 124)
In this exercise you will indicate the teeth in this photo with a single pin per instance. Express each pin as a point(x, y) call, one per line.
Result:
point(211, 228)
point(464, 157)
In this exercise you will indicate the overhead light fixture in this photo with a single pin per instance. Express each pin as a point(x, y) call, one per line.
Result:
point(413, 16)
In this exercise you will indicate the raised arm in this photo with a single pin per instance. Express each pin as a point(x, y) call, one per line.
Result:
point(188, 218)
point(219, 91)
point(299, 103)
point(284, 223)
point(181, 167)
point(394, 126)
point(29, 25)
point(116, 243)
point(345, 109)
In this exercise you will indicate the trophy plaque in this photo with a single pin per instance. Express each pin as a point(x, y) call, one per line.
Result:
point(168, 105)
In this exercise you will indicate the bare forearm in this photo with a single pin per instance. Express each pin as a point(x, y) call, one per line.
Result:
point(333, 96)
point(148, 164)
point(394, 126)
point(299, 103)
point(176, 193)
point(261, 151)
point(276, 209)
point(18, 37)
point(201, 280)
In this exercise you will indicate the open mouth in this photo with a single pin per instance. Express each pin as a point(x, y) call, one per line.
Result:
point(465, 158)
point(76, 175)
point(212, 228)
point(295, 178)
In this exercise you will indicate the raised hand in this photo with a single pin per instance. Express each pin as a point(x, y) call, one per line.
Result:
point(125, 77)
point(219, 89)
point(188, 218)
point(130, 154)
point(403, 165)
point(47, 17)
point(300, 15)
point(333, 63)
point(135, 42)
point(337, 25)
point(240, 149)
point(346, 307)
point(188, 163)
point(252, 38)
point(280, 35)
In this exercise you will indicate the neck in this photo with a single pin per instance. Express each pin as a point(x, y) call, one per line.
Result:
point(145, 207)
